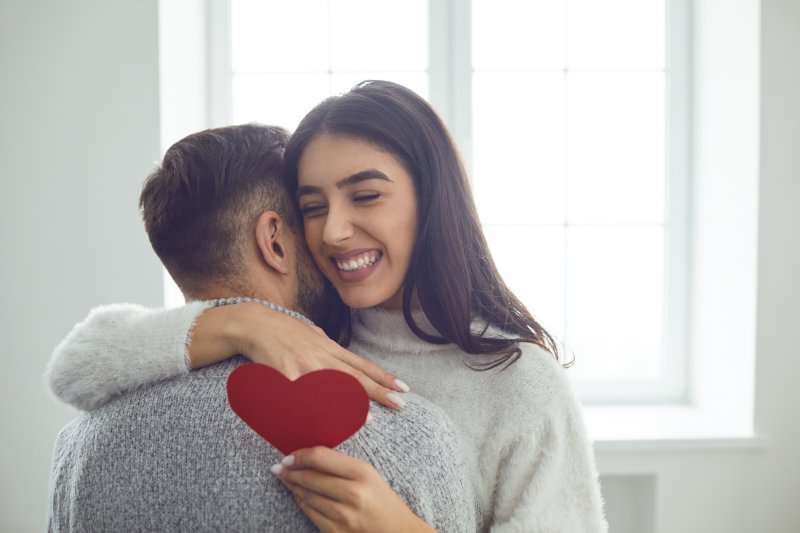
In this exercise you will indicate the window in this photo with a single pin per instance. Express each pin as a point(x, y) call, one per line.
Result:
point(278, 74)
point(573, 119)
point(575, 96)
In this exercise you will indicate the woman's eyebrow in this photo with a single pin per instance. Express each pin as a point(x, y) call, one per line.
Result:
point(364, 175)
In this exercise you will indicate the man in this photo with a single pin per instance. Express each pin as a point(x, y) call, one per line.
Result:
point(172, 456)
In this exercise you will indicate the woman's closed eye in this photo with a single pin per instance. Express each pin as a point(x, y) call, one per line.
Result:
point(366, 196)
point(312, 208)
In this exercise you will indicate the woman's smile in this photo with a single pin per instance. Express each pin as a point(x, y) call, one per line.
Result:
point(356, 265)
point(359, 210)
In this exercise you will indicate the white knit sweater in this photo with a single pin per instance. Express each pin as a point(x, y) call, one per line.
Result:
point(530, 458)
point(521, 428)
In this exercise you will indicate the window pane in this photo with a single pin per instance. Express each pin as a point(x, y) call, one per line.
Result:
point(416, 81)
point(568, 141)
point(616, 34)
point(379, 35)
point(614, 301)
point(615, 147)
point(531, 261)
point(279, 36)
point(277, 99)
point(518, 150)
point(517, 34)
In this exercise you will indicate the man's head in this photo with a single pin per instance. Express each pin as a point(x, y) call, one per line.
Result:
point(221, 221)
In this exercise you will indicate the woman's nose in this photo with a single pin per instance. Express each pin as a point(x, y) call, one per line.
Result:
point(338, 227)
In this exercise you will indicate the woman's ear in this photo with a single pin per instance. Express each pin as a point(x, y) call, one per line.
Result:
point(271, 238)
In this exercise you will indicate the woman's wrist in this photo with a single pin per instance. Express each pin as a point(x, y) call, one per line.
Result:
point(217, 335)
point(242, 327)
point(413, 522)
point(242, 321)
point(418, 525)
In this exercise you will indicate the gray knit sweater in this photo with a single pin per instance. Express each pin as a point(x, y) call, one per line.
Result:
point(172, 456)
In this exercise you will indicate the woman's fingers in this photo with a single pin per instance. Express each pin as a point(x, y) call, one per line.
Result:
point(303, 364)
point(352, 364)
point(386, 397)
point(296, 348)
point(373, 371)
point(381, 386)
point(319, 331)
point(327, 480)
point(325, 461)
point(334, 488)
point(329, 485)
point(317, 508)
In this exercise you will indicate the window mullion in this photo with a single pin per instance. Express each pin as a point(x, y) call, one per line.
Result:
point(461, 78)
point(677, 213)
point(450, 69)
point(439, 30)
point(219, 60)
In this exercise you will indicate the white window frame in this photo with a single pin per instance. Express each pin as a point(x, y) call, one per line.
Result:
point(720, 230)
point(450, 92)
point(450, 75)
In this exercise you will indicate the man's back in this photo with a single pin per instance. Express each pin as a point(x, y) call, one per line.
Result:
point(174, 457)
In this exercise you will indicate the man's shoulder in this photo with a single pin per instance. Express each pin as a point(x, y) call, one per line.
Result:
point(181, 406)
point(208, 381)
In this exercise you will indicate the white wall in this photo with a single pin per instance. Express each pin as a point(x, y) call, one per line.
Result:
point(79, 109)
point(79, 120)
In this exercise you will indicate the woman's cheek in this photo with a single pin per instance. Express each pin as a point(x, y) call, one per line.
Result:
point(311, 233)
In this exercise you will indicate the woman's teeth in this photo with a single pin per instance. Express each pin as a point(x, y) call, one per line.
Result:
point(358, 262)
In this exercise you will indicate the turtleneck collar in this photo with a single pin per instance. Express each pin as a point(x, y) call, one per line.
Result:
point(388, 331)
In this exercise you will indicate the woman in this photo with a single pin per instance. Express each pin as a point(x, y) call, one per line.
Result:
point(390, 221)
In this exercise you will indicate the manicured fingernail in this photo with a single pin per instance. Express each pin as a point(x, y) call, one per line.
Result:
point(402, 384)
point(276, 469)
point(288, 460)
point(396, 399)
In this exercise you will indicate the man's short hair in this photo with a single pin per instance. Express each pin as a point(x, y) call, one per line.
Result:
point(201, 205)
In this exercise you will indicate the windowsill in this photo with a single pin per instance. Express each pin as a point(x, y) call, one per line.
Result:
point(752, 443)
point(632, 429)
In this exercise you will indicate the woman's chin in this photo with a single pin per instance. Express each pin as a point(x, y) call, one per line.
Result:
point(359, 301)
point(366, 299)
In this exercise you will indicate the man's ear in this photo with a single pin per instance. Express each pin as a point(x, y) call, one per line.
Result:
point(272, 239)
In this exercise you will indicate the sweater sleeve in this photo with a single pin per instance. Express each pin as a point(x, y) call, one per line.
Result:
point(119, 347)
point(548, 480)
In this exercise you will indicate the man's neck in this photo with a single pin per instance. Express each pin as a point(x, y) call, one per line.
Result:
point(222, 293)
point(243, 299)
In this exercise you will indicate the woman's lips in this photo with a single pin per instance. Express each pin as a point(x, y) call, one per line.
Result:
point(354, 267)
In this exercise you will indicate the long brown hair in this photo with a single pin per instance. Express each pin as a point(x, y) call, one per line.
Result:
point(451, 268)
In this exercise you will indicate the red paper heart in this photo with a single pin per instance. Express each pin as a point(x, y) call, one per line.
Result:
point(321, 408)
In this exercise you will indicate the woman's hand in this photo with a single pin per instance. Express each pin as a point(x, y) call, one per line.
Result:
point(285, 343)
point(342, 493)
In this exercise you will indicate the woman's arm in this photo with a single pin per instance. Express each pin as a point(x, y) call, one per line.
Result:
point(118, 347)
point(548, 481)
point(289, 345)
point(121, 346)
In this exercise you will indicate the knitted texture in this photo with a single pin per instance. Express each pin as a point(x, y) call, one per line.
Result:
point(521, 428)
point(173, 457)
point(89, 367)
point(522, 431)
point(269, 305)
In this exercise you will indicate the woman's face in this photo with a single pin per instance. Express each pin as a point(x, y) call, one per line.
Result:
point(360, 215)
